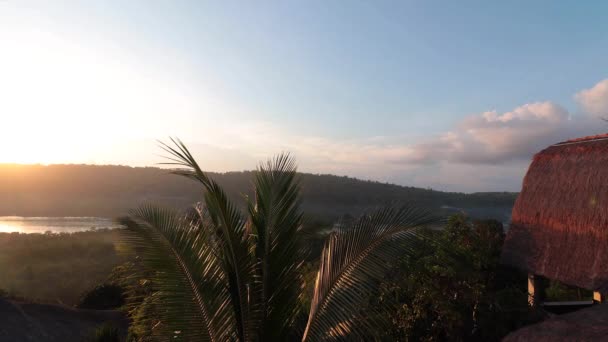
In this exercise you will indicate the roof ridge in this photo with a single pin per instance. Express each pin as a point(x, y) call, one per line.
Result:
point(589, 138)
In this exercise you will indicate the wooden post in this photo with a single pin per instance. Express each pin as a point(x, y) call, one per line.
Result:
point(598, 297)
point(534, 290)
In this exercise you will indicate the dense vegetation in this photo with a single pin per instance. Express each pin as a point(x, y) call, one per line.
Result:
point(109, 191)
point(57, 268)
point(219, 274)
point(455, 289)
point(254, 267)
point(452, 287)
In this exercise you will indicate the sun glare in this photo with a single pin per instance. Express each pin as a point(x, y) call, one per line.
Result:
point(61, 100)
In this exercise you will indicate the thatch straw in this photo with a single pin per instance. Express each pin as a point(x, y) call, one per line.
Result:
point(559, 223)
point(590, 324)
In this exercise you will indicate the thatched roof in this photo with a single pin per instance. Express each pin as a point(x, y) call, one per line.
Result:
point(559, 223)
point(589, 324)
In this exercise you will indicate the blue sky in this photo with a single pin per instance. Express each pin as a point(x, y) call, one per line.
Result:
point(392, 91)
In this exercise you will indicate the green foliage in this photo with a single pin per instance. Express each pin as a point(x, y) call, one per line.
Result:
point(146, 324)
point(106, 333)
point(556, 291)
point(455, 289)
point(141, 305)
point(221, 275)
point(57, 267)
point(355, 259)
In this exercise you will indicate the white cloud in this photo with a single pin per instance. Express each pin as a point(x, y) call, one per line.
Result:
point(498, 138)
point(595, 99)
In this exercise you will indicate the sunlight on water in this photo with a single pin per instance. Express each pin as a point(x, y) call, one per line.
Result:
point(20, 224)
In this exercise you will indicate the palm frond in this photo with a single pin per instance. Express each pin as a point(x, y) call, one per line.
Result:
point(188, 275)
point(223, 277)
point(276, 221)
point(238, 261)
point(353, 262)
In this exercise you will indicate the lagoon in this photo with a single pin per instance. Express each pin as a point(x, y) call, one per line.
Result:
point(9, 224)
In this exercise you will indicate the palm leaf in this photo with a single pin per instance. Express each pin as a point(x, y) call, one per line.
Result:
point(276, 221)
point(188, 275)
point(353, 262)
point(236, 242)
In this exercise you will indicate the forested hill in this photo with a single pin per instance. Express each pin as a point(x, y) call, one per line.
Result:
point(92, 190)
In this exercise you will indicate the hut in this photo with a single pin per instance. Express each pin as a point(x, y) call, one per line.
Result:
point(559, 223)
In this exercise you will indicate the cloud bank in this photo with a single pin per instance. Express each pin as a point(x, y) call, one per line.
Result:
point(497, 138)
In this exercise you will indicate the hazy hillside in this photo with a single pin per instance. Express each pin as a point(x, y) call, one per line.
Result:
point(87, 190)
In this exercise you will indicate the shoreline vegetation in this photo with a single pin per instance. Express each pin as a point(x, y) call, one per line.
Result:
point(9, 224)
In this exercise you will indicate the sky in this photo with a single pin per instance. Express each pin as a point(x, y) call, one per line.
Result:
point(454, 96)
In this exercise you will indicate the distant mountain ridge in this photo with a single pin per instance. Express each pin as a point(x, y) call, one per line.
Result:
point(111, 190)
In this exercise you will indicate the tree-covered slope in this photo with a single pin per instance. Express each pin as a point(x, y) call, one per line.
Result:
point(108, 190)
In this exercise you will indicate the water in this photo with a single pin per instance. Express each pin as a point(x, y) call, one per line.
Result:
point(54, 224)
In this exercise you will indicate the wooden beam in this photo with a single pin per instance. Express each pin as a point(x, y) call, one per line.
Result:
point(534, 290)
point(598, 297)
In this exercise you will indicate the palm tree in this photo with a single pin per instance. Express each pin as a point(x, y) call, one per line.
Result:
point(227, 276)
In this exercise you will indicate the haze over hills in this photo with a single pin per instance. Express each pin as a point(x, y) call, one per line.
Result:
point(110, 191)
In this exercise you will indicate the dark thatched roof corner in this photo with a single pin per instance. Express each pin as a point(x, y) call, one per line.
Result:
point(589, 324)
point(23, 321)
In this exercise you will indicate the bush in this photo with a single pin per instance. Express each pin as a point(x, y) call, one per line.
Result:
point(41, 267)
point(103, 297)
point(106, 333)
point(455, 288)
